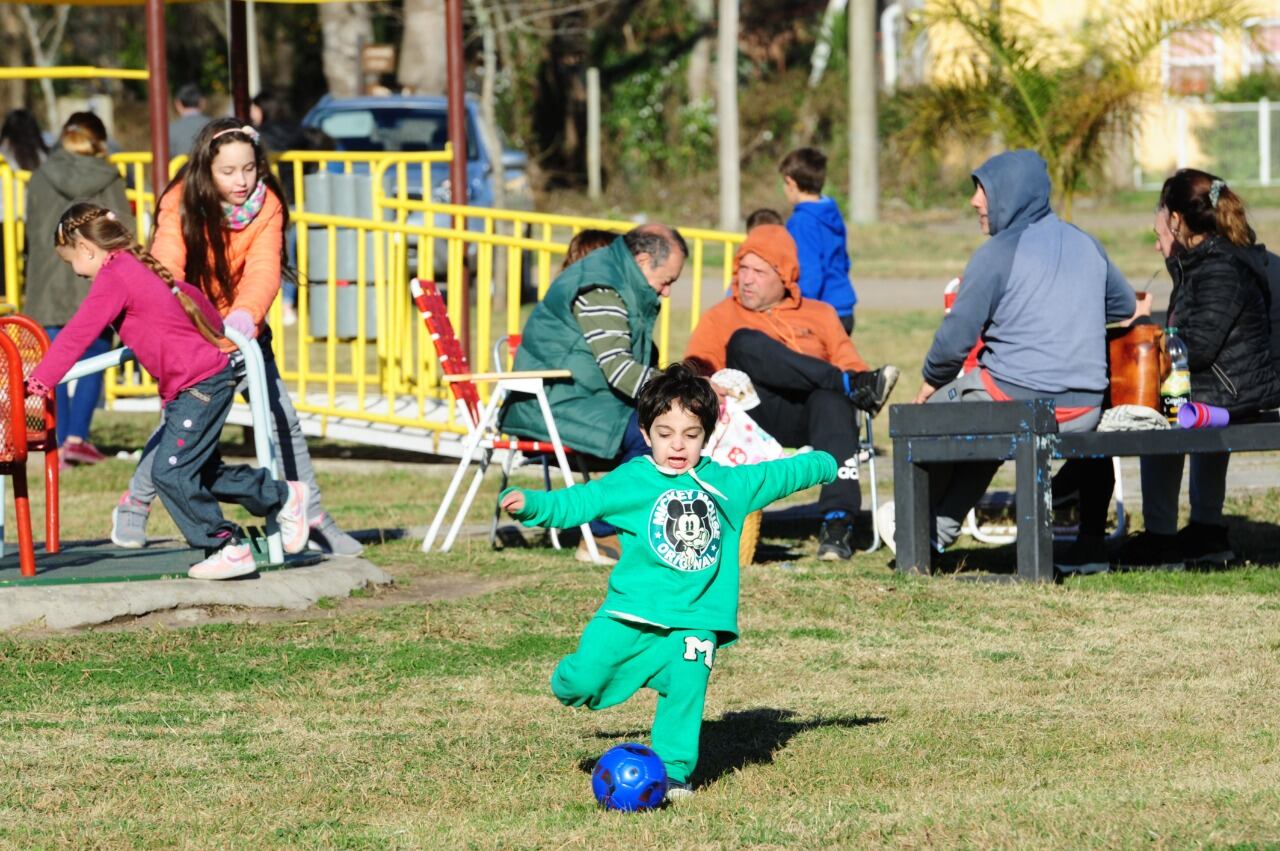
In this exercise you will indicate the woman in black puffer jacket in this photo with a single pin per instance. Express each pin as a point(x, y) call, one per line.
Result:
point(1220, 306)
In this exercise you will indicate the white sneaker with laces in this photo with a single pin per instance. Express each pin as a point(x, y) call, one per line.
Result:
point(294, 529)
point(227, 563)
point(886, 522)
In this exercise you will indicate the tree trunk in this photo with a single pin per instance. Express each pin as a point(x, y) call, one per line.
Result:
point(727, 113)
point(423, 65)
point(345, 27)
point(488, 101)
point(45, 40)
point(699, 78)
point(822, 50)
point(12, 92)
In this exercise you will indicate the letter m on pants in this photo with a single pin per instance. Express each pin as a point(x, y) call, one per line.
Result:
point(694, 647)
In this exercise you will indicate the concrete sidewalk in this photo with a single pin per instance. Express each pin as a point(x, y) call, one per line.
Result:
point(81, 605)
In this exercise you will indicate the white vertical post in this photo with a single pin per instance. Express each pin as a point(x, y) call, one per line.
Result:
point(890, 44)
point(864, 144)
point(251, 27)
point(593, 132)
point(1264, 142)
point(1180, 131)
point(730, 149)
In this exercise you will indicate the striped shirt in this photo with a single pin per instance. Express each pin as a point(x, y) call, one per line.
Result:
point(603, 318)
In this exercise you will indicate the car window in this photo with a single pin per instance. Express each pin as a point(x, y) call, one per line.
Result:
point(390, 130)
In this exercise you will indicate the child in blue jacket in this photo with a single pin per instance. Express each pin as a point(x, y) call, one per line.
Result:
point(819, 233)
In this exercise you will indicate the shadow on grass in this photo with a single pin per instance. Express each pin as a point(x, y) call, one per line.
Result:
point(738, 739)
point(1254, 540)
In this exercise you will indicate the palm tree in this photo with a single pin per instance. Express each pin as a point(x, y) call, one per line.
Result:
point(1064, 94)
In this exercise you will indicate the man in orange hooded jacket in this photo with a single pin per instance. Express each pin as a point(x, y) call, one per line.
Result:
point(805, 369)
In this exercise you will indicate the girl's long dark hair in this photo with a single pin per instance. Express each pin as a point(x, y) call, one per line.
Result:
point(99, 226)
point(201, 207)
point(22, 132)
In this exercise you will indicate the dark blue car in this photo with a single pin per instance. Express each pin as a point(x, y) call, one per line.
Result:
point(420, 123)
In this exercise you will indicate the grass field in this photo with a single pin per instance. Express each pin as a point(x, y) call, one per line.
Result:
point(860, 709)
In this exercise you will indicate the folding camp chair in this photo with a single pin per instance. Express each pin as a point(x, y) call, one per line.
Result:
point(482, 431)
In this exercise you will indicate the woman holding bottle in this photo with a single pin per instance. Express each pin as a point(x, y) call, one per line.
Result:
point(1219, 306)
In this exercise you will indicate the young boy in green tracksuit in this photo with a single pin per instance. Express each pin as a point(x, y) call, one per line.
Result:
point(673, 596)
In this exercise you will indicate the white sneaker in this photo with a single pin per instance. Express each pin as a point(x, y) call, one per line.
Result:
point(294, 529)
point(677, 791)
point(227, 563)
point(886, 522)
point(129, 523)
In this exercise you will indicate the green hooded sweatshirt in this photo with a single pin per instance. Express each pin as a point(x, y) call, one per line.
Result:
point(590, 416)
point(679, 533)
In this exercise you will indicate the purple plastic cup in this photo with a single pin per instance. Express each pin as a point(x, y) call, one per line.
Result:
point(1200, 415)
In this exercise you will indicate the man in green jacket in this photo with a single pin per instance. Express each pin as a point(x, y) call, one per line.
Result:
point(597, 321)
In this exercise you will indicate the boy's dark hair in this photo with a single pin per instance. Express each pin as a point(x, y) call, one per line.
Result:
point(189, 95)
point(763, 216)
point(807, 167)
point(678, 383)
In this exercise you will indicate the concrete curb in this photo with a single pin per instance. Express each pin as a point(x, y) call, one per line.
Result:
point(72, 606)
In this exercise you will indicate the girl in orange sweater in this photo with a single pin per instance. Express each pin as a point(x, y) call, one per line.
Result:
point(221, 227)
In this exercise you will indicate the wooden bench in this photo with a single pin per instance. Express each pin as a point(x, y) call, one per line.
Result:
point(1026, 433)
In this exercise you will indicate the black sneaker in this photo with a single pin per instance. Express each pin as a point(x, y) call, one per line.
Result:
point(834, 539)
point(1086, 554)
point(1205, 545)
point(870, 390)
point(1151, 551)
point(678, 791)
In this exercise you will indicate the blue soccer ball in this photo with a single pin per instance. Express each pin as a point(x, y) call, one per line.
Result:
point(629, 777)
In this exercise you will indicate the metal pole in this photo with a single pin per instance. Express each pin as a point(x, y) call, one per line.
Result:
point(158, 95)
point(255, 71)
point(864, 173)
point(458, 139)
point(727, 110)
point(593, 132)
point(1264, 142)
point(237, 44)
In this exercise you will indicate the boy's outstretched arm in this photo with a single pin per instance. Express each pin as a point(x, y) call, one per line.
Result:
point(770, 481)
point(560, 509)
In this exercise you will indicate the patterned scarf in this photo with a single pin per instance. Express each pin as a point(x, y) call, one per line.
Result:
point(237, 217)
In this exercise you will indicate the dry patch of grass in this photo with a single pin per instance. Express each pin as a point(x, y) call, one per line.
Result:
point(859, 710)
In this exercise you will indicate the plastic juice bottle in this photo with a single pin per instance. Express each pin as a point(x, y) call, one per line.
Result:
point(1176, 389)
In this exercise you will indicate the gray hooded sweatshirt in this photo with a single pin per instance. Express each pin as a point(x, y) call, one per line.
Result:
point(1039, 293)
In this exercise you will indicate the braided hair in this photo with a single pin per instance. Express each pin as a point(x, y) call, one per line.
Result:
point(99, 226)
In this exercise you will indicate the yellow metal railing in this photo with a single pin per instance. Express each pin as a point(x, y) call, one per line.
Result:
point(72, 72)
point(367, 356)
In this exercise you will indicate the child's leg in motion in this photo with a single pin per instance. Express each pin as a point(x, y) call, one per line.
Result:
point(682, 690)
point(188, 467)
point(613, 661)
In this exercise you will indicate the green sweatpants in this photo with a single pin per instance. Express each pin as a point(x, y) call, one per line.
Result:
point(615, 659)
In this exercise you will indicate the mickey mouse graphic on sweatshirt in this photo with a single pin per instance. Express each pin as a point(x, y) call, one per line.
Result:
point(679, 532)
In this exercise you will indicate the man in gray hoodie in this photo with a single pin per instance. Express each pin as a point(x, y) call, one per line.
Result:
point(1038, 294)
